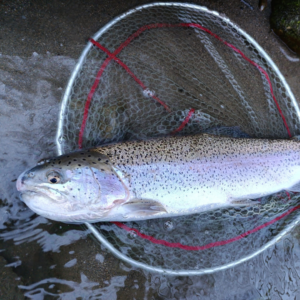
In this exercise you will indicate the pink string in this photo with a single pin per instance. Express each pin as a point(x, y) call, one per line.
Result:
point(187, 118)
point(250, 61)
point(163, 25)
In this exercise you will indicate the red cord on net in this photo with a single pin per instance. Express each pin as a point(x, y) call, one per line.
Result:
point(116, 59)
point(250, 61)
point(102, 68)
point(163, 25)
point(185, 121)
point(97, 80)
point(211, 245)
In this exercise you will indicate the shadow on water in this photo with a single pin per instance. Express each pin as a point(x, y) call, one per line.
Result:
point(42, 259)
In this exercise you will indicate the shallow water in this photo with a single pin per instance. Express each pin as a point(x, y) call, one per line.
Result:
point(42, 259)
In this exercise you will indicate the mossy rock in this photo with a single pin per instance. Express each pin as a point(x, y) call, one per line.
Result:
point(285, 21)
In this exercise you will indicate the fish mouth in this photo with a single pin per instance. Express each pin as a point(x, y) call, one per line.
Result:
point(41, 190)
point(51, 211)
point(26, 193)
point(56, 209)
point(60, 216)
point(47, 193)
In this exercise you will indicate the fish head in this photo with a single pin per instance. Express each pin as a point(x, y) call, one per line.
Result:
point(72, 188)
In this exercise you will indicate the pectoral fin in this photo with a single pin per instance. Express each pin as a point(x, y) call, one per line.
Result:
point(142, 207)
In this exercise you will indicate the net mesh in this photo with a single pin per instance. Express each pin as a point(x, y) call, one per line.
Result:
point(150, 74)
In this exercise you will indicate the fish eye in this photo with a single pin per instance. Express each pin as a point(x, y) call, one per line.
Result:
point(53, 177)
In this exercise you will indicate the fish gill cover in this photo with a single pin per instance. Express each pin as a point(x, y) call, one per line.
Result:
point(172, 68)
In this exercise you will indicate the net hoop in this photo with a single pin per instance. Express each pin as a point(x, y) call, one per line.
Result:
point(60, 149)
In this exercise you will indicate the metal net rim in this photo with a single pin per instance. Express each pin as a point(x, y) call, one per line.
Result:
point(60, 150)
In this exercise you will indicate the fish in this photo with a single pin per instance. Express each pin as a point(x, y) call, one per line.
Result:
point(157, 178)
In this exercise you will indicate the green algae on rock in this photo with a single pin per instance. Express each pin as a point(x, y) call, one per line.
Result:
point(285, 21)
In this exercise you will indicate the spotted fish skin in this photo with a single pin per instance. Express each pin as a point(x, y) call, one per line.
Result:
point(201, 172)
point(173, 176)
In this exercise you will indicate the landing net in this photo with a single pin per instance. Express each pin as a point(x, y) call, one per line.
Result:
point(173, 68)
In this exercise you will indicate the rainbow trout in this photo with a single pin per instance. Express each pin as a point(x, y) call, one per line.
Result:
point(164, 177)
